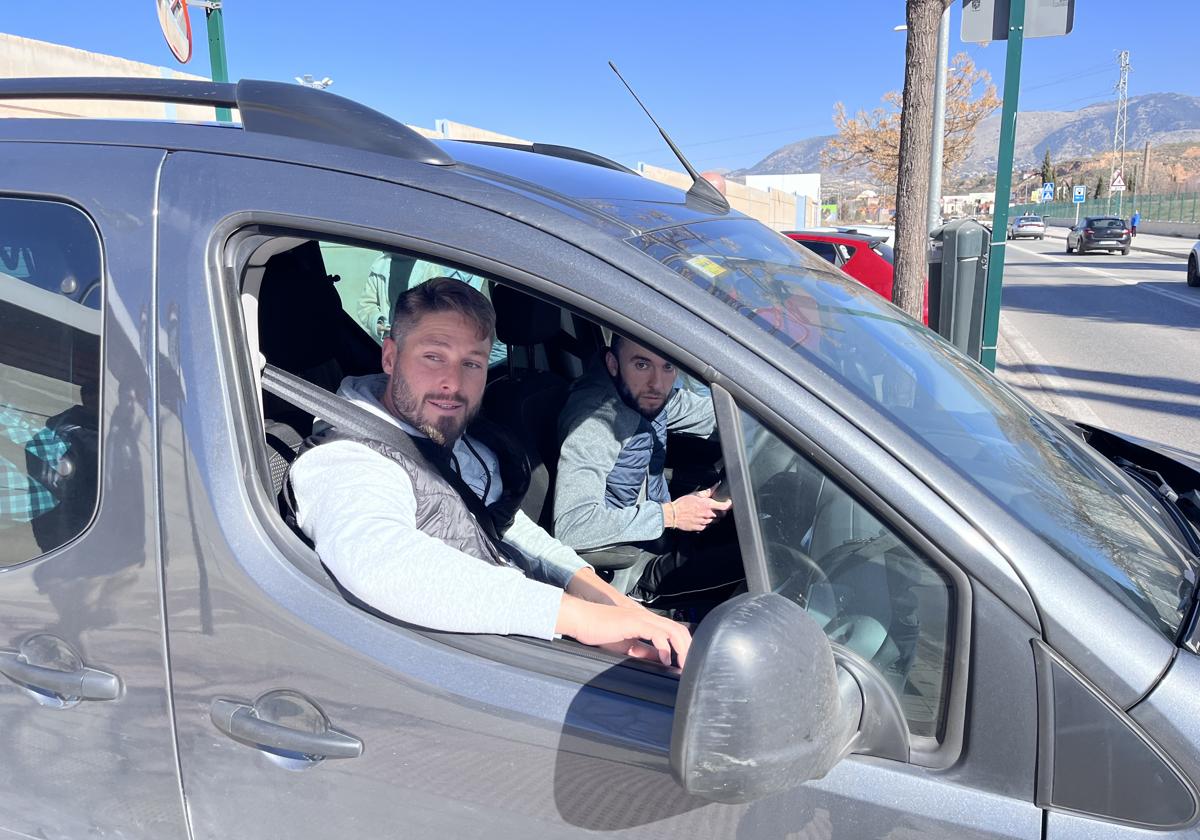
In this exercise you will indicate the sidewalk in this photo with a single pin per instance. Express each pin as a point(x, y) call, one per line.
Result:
point(1167, 246)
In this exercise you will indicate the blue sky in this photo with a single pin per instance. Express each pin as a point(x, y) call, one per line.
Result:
point(730, 81)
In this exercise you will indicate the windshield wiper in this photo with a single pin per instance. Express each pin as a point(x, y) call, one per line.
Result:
point(1156, 485)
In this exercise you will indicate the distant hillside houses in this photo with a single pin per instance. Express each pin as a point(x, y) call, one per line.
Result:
point(970, 204)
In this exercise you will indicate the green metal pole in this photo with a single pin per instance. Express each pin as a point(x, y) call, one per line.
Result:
point(216, 53)
point(1004, 164)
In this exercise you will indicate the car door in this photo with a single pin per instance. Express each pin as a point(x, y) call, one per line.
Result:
point(85, 725)
point(392, 731)
point(298, 713)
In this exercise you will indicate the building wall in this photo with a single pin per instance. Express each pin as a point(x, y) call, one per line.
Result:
point(773, 208)
point(28, 57)
point(451, 130)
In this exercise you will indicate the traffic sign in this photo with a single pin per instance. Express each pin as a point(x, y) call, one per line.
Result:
point(1047, 191)
point(1118, 183)
point(1079, 194)
point(987, 20)
point(176, 27)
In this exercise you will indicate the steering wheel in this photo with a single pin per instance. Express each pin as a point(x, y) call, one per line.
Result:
point(807, 584)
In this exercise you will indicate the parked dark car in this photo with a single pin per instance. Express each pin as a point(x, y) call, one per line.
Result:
point(962, 618)
point(1099, 233)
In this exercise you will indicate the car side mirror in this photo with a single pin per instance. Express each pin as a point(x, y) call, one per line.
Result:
point(761, 705)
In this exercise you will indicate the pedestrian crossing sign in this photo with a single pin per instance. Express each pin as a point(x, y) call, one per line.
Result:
point(1118, 183)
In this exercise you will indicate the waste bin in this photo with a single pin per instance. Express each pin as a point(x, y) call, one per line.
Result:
point(958, 256)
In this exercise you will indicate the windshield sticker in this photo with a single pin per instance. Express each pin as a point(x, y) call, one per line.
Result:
point(706, 266)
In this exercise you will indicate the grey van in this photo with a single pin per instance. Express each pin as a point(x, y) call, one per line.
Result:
point(962, 618)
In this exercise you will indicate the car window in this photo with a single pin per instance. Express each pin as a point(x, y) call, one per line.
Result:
point(370, 280)
point(885, 250)
point(854, 575)
point(1108, 223)
point(50, 281)
point(824, 250)
point(1049, 480)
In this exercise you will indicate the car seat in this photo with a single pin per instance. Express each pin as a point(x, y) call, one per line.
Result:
point(304, 330)
point(526, 401)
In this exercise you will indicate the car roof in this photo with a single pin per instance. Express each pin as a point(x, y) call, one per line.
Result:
point(294, 124)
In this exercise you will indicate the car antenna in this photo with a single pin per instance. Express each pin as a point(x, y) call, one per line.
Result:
point(701, 188)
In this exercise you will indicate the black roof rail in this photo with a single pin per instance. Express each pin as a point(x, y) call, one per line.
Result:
point(552, 150)
point(277, 108)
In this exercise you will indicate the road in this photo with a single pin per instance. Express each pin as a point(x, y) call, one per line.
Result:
point(1110, 340)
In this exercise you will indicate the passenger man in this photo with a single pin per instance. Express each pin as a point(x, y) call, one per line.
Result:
point(611, 490)
point(431, 533)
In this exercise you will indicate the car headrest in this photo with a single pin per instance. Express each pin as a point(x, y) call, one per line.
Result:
point(298, 309)
point(522, 320)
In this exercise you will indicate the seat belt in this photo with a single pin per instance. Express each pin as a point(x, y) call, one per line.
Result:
point(338, 412)
point(358, 421)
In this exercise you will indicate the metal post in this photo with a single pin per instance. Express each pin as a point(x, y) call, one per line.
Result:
point(939, 123)
point(1004, 164)
point(216, 53)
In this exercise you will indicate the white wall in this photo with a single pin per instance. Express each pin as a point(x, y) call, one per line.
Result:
point(27, 57)
point(799, 183)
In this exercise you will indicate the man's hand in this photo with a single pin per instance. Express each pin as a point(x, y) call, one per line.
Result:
point(589, 586)
point(696, 511)
point(631, 632)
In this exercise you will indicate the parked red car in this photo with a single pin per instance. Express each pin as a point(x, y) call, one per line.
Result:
point(865, 257)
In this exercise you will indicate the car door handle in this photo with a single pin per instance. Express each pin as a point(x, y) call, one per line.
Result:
point(238, 721)
point(80, 684)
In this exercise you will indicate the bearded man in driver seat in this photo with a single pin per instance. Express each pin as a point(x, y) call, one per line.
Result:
point(611, 496)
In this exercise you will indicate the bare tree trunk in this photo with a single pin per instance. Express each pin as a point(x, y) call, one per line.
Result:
point(916, 143)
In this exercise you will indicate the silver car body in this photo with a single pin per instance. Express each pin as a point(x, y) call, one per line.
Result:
point(189, 589)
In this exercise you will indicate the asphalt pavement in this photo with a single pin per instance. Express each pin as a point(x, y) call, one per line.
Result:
point(1110, 340)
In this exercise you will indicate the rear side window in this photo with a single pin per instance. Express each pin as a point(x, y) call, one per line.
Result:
point(369, 281)
point(50, 289)
point(824, 250)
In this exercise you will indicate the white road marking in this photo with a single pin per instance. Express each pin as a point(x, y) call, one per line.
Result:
point(1052, 383)
point(1191, 301)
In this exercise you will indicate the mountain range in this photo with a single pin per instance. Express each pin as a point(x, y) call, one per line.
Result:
point(1159, 118)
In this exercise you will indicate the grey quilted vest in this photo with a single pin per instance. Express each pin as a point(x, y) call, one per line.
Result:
point(446, 509)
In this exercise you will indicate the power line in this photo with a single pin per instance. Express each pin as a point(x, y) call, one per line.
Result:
point(1063, 80)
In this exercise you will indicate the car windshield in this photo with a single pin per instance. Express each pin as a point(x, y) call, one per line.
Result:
point(1107, 223)
point(1050, 480)
point(884, 250)
point(1029, 220)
